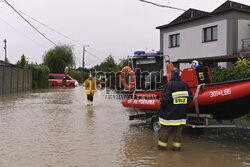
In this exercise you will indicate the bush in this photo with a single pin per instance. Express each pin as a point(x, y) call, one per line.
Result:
point(239, 70)
point(39, 75)
point(77, 74)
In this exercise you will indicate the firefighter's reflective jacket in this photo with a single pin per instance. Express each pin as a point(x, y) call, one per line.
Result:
point(175, 99)
point(90, 86)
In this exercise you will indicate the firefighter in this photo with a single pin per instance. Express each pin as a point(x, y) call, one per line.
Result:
point(64, 81)
point(172, 112)
point(91, 88)
point(195, 64)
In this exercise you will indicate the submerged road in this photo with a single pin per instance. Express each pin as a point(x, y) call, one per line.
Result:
point(55, 128)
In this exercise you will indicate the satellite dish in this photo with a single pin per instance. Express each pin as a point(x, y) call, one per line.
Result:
point(66, 70)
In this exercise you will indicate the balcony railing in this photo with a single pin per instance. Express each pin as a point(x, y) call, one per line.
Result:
point(245, 44)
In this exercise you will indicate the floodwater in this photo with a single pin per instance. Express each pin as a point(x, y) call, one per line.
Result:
point(55, 128)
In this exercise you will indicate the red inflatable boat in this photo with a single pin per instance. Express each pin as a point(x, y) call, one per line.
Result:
point(225, 100)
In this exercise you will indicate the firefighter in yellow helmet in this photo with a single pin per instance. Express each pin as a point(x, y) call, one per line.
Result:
point(90, 88)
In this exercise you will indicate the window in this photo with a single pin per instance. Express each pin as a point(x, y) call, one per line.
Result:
point(67, 78)
point(174, 40)
point(146, 61)
point(58, 77)
point(210, 34)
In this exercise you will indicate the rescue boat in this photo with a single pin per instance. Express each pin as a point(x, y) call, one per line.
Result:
point(227, 100)
point(224, 100)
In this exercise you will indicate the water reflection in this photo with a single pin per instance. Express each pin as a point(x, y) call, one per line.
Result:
point(91, 142)
point(56, 128)
point(139, 146)
point(139, 149)
point(90, 119)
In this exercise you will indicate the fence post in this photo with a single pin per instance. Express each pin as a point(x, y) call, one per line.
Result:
point(23, 79)
point(17, 79)
point(28, 82)
point(3, 80)
point(11, 75)
point(30, 79)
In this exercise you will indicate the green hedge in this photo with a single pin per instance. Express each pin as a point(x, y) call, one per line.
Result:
point(77, 74)
point(39, 75)
point(239, 70)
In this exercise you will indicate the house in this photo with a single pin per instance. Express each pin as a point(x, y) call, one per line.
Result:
point(218, 36)
point(5, 64)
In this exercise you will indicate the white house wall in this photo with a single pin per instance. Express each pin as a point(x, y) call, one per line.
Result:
point(243, 32)
point(191, 42)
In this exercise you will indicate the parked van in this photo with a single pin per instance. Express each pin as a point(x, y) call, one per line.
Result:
point(62, 80)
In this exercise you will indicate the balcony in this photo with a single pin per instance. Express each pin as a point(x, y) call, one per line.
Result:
point(245, 45)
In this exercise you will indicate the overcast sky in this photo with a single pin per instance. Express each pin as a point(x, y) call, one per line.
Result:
point(117, 27)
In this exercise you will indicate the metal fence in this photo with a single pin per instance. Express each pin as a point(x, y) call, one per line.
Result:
point(13, 79)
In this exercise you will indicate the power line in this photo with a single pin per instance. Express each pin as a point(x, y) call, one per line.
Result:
point(77, 53)
point(90, 54)
point(77, 59)
point(28, 22)
point(175, 8)
point(164, 6)
point(52, 29)
point(105, 53)
point(94, 55)
point(21, 32)
point(48, 27)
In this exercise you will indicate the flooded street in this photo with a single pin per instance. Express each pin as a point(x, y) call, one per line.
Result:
point(55, 128)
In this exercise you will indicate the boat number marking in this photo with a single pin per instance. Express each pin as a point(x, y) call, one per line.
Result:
point(224, 92)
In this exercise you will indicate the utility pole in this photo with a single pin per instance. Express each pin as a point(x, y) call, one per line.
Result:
point(5, 48)
point(83, 63)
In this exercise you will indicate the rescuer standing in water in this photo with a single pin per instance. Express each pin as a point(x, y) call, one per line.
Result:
point(172, 115)
point(90, 88)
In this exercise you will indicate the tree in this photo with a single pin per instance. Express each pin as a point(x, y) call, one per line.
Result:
point(58, 58)
point(23, 62)
point(123, 63)
point(7, 60)
point(108, 65)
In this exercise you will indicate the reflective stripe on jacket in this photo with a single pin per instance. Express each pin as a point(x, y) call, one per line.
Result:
point(172, 122)
point(180, 97)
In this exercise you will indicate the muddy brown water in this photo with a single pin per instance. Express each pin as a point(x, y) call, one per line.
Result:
point(55, 128)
